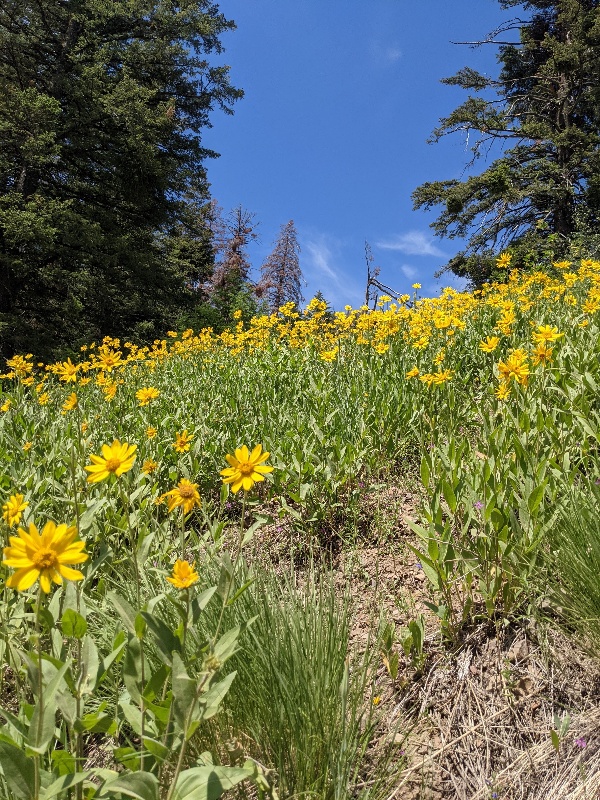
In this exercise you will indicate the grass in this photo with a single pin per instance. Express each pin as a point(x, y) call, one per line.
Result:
point(262, 685)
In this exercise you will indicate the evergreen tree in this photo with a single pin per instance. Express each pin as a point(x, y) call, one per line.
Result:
point(281, 276)
point(543, 191)
point(102, 105)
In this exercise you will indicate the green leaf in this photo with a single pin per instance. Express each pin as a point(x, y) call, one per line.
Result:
point(200, 602)
point(18, 771)
point(133, 715)
point(214, 696)
point(132, 668)
point(227, 644)
point(184, 690)
point(449, 496)
point(425, 472)
point(157, 749)
point(166, 640)
point(41, 726)
point(124, 610)
point(208, 783)
point(90, 663)
point(139, 785)
point(536, 496)
point(63, 783)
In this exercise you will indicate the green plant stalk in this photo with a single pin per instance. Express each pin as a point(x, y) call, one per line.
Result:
point(40, 693)
point(134, 560)
point(79, 760)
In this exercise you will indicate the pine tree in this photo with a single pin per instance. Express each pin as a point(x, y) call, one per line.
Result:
point(281, 276)
point(102, 106)
point(543, 191)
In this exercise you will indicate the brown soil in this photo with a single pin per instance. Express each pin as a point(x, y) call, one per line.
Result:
point(474, 722)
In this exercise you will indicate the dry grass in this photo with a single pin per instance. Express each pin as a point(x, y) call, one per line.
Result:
point(477, 721)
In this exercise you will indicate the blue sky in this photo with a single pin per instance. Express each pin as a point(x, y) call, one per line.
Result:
point(340, 98)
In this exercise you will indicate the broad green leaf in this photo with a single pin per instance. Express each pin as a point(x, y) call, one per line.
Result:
point(208, 783)
point(184, 690)
point(139, 785)
point(90, 663)
point(124, 610)
point(166, 641)
point(213, 698)
point(18, 770)
point(41, 726)
point(536, 496)
point(63, 783)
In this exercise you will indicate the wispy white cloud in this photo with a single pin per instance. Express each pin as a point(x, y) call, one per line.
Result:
point(322, 265)
point(408, 271)
point(384, 53)
point(413, 243)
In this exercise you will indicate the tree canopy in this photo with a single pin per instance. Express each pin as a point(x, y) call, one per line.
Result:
point(102, 177)
point(543, 189)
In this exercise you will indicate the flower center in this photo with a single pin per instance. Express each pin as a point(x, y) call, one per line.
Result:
point(246, 468)
point(44, 558)
point(113, 464)
point(186, 491)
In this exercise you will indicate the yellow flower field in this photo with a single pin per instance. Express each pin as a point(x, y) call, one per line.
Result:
point(153, 459)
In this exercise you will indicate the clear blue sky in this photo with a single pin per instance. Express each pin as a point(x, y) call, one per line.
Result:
point(340, 97)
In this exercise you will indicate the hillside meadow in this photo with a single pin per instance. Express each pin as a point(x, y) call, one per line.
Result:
point(182, 611)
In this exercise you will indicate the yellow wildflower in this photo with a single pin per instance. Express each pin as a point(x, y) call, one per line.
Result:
point(70, 403)
point(145, 395)
point(441, 376)
point(27, 447)
point(6, 405)
point(67, 371)
point(503, 391)
point(44, 399)
point(110, 391)
point(184, 575)
point(503, 260)
point(542, 354)
point(514, 367)
point(13, 509)
point(546, 333)
point(185, 494)
point(413, 373)
point(381, 348)
point(151, 432)
point(245, 468)
point(490, 344)
point(329, 355)
point(44, 557)
point(149, 466)
point(116, 459)
point(182, 441)
point(108, 359)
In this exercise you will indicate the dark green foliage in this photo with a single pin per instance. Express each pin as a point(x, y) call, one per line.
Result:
point(543, 111)
point(101, 109)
